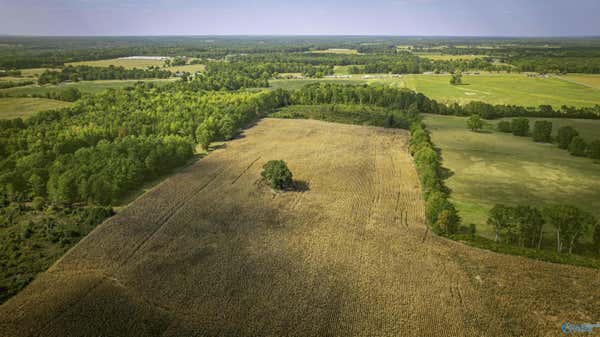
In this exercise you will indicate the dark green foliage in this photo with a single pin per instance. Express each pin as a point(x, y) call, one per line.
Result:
point(542, 131)
point(277, 174)
point(456, 78)
point(89, 73)
point(578, 147)
point(596, 238)
point(594, 149)
point(504, 126)
point(565, 135)
point(474, 123)
point(11, 84)
point(32, 239)
point(569, 223)
point(440, 213)
point(520, 126)
point(501, 219)
point(529, 225)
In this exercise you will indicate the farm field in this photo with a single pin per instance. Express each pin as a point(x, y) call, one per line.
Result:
point(493, 167)
point(25, 107)
point(585, 79)
point(213, 251)
point(83, 86)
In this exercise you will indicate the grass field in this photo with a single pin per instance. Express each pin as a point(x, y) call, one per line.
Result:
point(25, 107)
point(212, 251)
point(503, 88)
point(83, 86)
point(493, 167)
point(515, 89)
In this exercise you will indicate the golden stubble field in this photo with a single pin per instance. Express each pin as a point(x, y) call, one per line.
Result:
point(214, 252)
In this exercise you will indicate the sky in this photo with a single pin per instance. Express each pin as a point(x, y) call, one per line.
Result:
point(301, 17)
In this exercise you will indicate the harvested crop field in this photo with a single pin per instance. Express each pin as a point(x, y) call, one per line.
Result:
point(214, 252)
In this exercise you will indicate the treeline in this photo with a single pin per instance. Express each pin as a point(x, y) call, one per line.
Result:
point(556, 65)
point(567, 137)
point(440, 213)
point(13, 72)
point(525, 226)
point(67, 94)
point(11, 84)
point(89, 73)
point(490, 111)
point(400, 62)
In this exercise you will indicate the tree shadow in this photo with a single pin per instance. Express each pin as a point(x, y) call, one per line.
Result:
point(301, 186)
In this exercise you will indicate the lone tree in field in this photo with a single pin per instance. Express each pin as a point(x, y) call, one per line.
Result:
point(456, 78)
point(542, 131)
point(474, 123)
point(277, 174)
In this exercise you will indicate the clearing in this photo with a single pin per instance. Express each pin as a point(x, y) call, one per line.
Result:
point(214, 252)
point(493, 167)
point(24, 107)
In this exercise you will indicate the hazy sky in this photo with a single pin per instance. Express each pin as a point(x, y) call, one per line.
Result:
point(280, 17)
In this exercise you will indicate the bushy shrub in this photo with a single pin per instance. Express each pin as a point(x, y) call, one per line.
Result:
point(578, 147)
point(594, 149)
point(542, 131)
point(520, 126)
point(504, 126)
point(565, 135)
point(277, 174)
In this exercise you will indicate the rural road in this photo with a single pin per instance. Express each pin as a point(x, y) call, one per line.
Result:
point(213, 252)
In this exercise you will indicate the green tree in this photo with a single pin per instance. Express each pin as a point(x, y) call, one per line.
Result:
point(277, 174)
point(500, 217)
point(542, 131)
point(456, 78)
point(530, 226)
point(594, 149)
point(474, 123)
point(520, 126)
point(569, 223)
point(447, 221)
point(565, 135)
point(206, 133)
point(597, 237)
point(578, 147)
point(504, 126)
